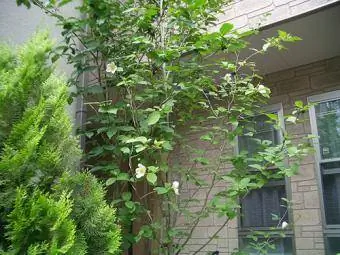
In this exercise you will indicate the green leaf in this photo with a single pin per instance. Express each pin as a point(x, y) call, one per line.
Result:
point(130, 204)
point(298, 104)
point(24, 2)
point(152, 178)
point(123, 177)
point(89, 134)
point(167, 146)
point(206, 137)
point(125, 150)
point(110, 181)
point(141, 139)
point(256, 166)
point(105, 109)
point(112, 110)
point(126, 196)
point(226, 28)
point(63, 2)
point(126, 128)
point(109, 147)
point(111, 132)
point(292, 150)
point(153, 118)
point(140, 147)
point(291, 119)
point(234, 122)
point(272, 116)
point(161, 190)
point(202, 160)
point(244, 182)
point(199, 3)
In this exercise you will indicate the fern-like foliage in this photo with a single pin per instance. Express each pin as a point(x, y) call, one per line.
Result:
point(94, 218)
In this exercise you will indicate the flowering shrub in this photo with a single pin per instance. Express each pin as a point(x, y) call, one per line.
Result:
point(153, 69)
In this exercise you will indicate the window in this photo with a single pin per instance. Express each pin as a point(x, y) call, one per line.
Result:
point(259, 207)
point(325, 120)
point(262, 130)
point(283, 246)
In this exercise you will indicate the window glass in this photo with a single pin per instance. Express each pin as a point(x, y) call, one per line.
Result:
point(262, 130)
point(333, 245)
point(328, 124)
point(331, 191)
point(283, 246)
point(260, 206)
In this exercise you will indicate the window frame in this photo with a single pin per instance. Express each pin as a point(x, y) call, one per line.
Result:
point(243, 232)
point(329, 230)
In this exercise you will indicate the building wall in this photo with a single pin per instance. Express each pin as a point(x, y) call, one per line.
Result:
point(257, 13)
point(18, 24)
point(287, 87)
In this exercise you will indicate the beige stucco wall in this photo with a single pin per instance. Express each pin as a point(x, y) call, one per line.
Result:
point(257, 13)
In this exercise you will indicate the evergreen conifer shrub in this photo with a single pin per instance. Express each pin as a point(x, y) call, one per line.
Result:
point(46, 206)
point(94, 218)
point(40, 224)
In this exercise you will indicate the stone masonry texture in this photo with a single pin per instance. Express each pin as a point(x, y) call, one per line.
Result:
point(287, 87)
point(245, 14)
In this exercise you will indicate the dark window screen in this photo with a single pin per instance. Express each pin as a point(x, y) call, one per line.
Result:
point(333, 245)
point(331, 191)
point(259, 206)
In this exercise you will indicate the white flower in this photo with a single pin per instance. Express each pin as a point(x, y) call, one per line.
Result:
point(263, 90)
point(284, 225)
point(140, 171)
point(111, 68)
point(228, 77)
point(175, 186)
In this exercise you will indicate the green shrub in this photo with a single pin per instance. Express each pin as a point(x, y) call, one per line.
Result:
point(40, 224)
point(36, 149)
point(94, 218)
point(36, 145)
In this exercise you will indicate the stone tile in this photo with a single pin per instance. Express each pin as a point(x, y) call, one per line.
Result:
point(248, 6)
point(279, 13)
point(298, 83)
point(333, 64)
point(262, 11)
point(281, 2)
point(311, 199)
point(316, 228)
point(320, 68)
point(307, 183)
point(319, 246)
point(240, 21)
point(304, 243)
point(306, 172)
point(280, 76)
point(307, 217)
point(310, 252)
point(325, 80)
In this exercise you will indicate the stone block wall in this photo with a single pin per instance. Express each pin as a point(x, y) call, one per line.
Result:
point(246, 14)
point(287, 87)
